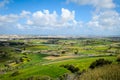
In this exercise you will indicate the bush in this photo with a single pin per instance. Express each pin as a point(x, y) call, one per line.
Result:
point(64, 77)
point(15, 73)
point(17, 61)
point(71, 68)
point(99, 62)
point(118, 58)
point(63, 52)
point(107, 72)
point(76, 51)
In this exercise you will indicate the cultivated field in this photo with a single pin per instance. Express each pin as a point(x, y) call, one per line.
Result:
point(60, 59)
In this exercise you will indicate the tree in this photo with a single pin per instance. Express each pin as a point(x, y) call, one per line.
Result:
point(15, 73)
point(71, 68)
point(76, 51)
point(99, 62)
point(4, 54)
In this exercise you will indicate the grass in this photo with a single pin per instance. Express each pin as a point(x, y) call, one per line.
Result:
point(39, 66)
point(41, 47)
point(107, 72)
point(35, 58)
point(37, 47)
point(82, 63)
point(53, 69)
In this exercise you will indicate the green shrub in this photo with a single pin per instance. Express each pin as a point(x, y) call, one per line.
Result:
point(71, 68)
point(107, 72)
point(76, 51)
point(64, 77)
point(21, 59)
point(99, 62)
point(63, 52)
point(15, 73)
point(118, 58)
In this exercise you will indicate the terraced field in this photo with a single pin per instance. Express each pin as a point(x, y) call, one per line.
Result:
point(39, 57)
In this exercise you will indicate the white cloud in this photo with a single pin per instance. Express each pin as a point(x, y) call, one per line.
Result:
point(105, 19)
point(46, 19)
point(67, 15)
point(25, 13)
point(40, 19)
point(19, 26)
point(8, 18)
point(14, 20)
point(29, 22)
point(98, 4)
point(3, 3)
point(109, 20)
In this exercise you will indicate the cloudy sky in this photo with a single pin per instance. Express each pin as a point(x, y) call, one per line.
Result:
point(60, 17)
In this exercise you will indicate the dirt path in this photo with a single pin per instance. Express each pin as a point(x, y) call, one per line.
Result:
point(60, 57)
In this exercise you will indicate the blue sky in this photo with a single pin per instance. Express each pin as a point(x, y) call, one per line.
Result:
point(60, 17)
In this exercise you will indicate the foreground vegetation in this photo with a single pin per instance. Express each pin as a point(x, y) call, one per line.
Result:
point(108, 72)
point(60, 59)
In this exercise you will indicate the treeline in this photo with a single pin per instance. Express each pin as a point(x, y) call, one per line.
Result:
point(8, 43)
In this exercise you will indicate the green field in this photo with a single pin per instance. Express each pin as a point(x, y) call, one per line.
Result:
point(53, 69)
point(44, 57)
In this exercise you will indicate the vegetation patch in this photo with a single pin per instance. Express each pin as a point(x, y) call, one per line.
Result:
point(99, 62)
point(107, 72)
point(71, 68)
point(58, 59)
